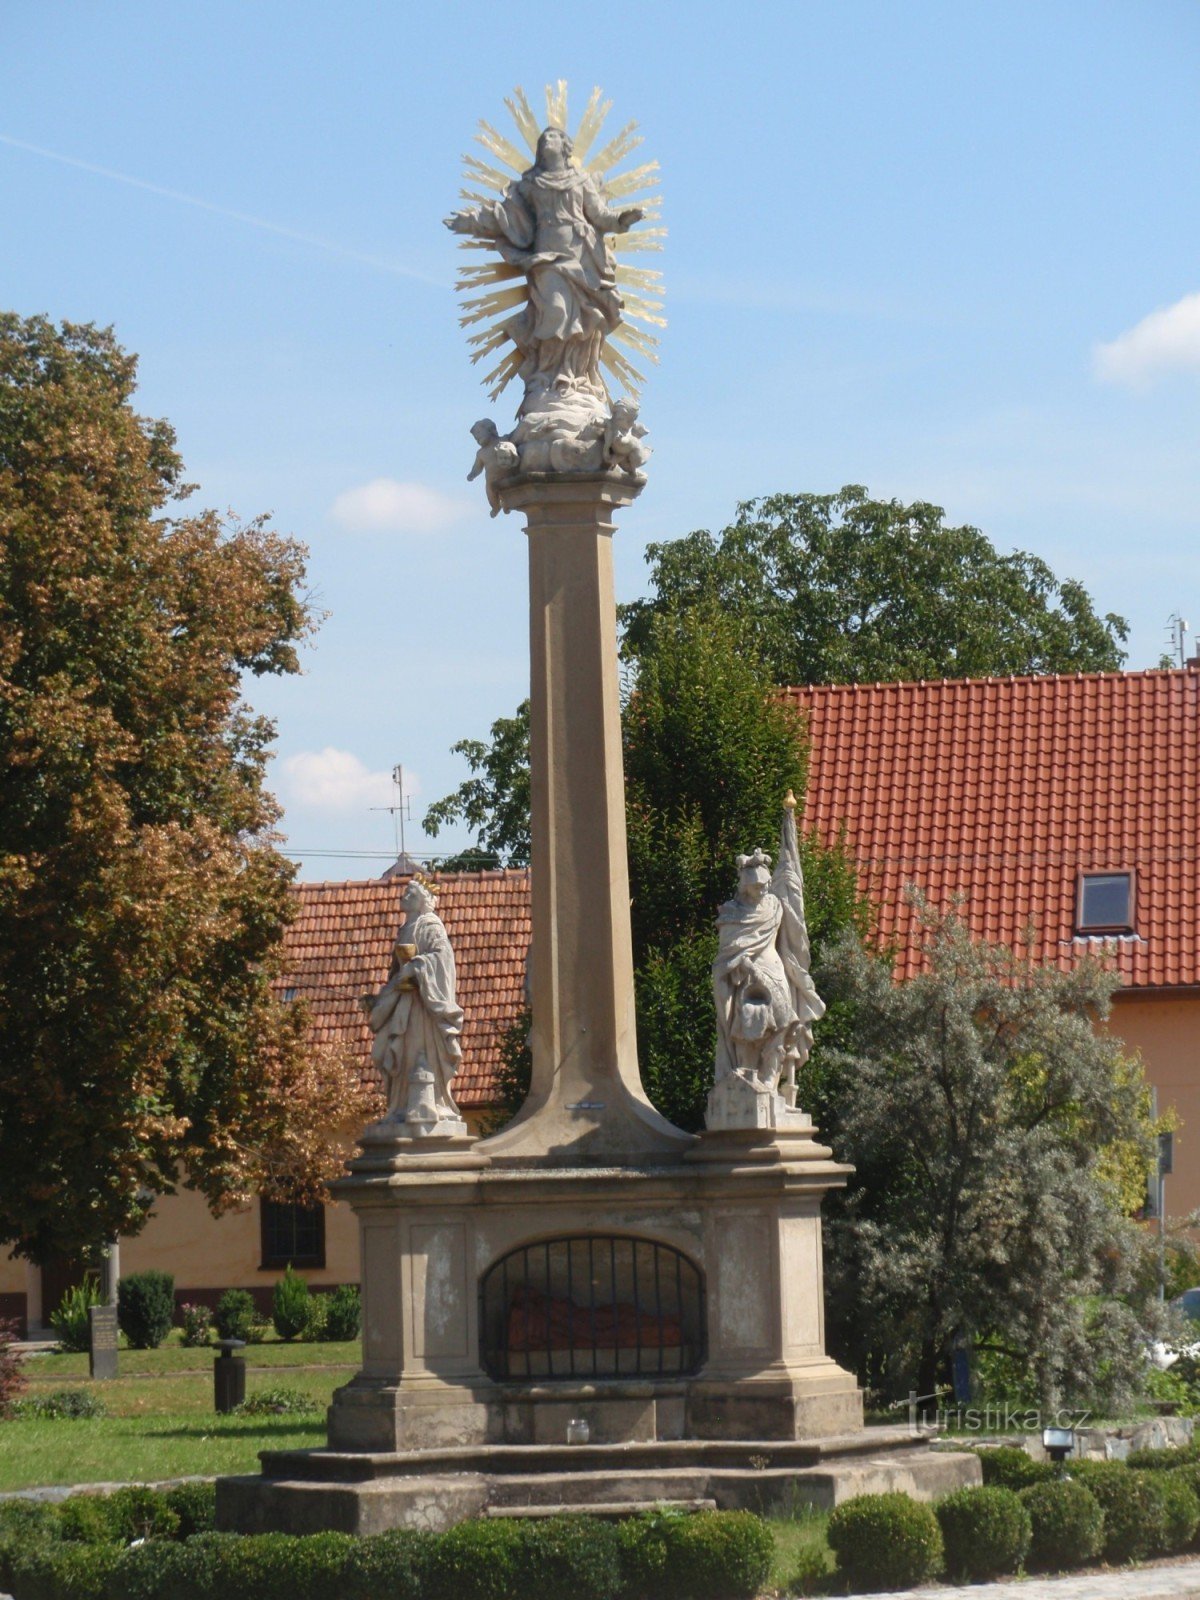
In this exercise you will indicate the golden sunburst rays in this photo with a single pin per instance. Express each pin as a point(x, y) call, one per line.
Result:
point(495, 293)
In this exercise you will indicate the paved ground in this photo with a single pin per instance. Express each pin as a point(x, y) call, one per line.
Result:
point(1179, 1582)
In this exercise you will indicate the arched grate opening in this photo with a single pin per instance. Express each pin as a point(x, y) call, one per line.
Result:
point(592, 1306)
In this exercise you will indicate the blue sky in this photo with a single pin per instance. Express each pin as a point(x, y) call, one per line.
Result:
point(948, 251)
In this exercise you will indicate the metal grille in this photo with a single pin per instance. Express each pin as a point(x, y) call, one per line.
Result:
point(592, 1306)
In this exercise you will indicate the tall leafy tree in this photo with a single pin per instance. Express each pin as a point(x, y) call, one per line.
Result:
point(709, 755)
point(141, 899)
point(840, 588)
point(993, 1128)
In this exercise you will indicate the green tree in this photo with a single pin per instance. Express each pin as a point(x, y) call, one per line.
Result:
point(141, 899)
point(840, 588)
point(494, 802)
point(989, 1121)
point(709, 755)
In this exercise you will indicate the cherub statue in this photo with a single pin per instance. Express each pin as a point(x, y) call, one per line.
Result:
point(495, 458)
point(417, 1021)
point(765, 999)
point(623, 435)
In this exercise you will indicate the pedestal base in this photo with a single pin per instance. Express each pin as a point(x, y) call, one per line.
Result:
point(310, 1491)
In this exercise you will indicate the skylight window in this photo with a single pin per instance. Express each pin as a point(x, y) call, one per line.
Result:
point(1105, 903)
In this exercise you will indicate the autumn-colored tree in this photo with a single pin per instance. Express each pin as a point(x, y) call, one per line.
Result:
point(141, 900)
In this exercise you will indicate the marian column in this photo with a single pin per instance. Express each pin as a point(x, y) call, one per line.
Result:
point(573, 459)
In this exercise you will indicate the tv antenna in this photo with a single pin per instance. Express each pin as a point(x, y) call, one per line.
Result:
point(1179, 628)
point(401, 809)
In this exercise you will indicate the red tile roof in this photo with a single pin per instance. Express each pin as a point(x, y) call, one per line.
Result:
point(1003, 789)
point(340, 945)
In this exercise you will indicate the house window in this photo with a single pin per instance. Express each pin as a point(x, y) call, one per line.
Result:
point(1104, 903)
point(290, 994)
point(292, 1235)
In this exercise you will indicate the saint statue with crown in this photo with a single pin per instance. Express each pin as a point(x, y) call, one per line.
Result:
point(417, 1022)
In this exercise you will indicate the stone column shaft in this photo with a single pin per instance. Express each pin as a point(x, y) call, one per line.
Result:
point(586, 1099)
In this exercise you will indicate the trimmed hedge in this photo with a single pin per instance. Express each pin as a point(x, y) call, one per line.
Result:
point(291, 1306)
point(1183, 1510)
point(1067, 1524)
point(1164, 1460)
point(83, 1549)
point(986, 1532)
point(1136, 1515)
point(235, 1315)
point(884, 1541)
point(1008, 1467)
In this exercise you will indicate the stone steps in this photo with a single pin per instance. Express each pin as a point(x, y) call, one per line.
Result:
point(613, 1508)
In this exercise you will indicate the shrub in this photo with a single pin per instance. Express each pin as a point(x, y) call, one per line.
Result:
point(138, 1512)
point(235, 1314)
point(481, 1560)
point(343, 1314)
point(725, 1554)
point(146, 1308)
point(23, 1523)
point(1010, 1468)
point(1068, 1524)
point(278, 1401)
point(156, 1570)
point(195, 1504)
point(12, 1378)
point(576, 1555)
point(1183, 1510)
point(1135, 1510)
point(291, 1306)
point(394, 1564)
point(885, 1541)
point(1166, 1460)
point(71, 1321)
point(83, 1519)
point(809, 1573)
point(61, 1404)
point(196, 1322)
point(985, 1532)
point(49, 1571)
point(316, 1328)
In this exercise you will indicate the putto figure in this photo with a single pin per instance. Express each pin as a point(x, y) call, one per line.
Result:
point(765, 998)
point(495, 458)
point(417, 1022)
point(557, 291)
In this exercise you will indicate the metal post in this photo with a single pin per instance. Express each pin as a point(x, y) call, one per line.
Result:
point(229, 1375)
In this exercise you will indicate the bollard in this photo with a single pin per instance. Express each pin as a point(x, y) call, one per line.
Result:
point(229, 1375)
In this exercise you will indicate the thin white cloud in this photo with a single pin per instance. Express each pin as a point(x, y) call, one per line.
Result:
point(385, 505)
point(336, 780)
point(332, 246)
point(1168, 340)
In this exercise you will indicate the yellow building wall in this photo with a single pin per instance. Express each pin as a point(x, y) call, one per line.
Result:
point(1165, 1028)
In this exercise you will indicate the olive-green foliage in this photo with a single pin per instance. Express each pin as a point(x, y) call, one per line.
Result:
point(235, 1315)
point(278, 1400)
point(59, 1405)
point(343, 1312)
point(1165, 1460)
point(985, 1063)
point(718, 1556)
point(840, 588)
point(885, 1541)
point(1137, 1520)
point(291, 1306)
point(146, 1308)
point(710, 753)
point(1012, 1468)
point(71, 1322)
point(195, 1504)
point(985, 1532)
point(395, 1565)
point(1182, 1508)
point(1067, 1522)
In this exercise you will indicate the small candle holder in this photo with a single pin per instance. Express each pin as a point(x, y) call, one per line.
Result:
point(578, 1431)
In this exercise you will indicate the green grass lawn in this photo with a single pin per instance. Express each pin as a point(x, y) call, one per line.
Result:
point(161, 1422)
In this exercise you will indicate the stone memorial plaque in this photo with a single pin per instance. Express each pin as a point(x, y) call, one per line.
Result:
point(102, 1355)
